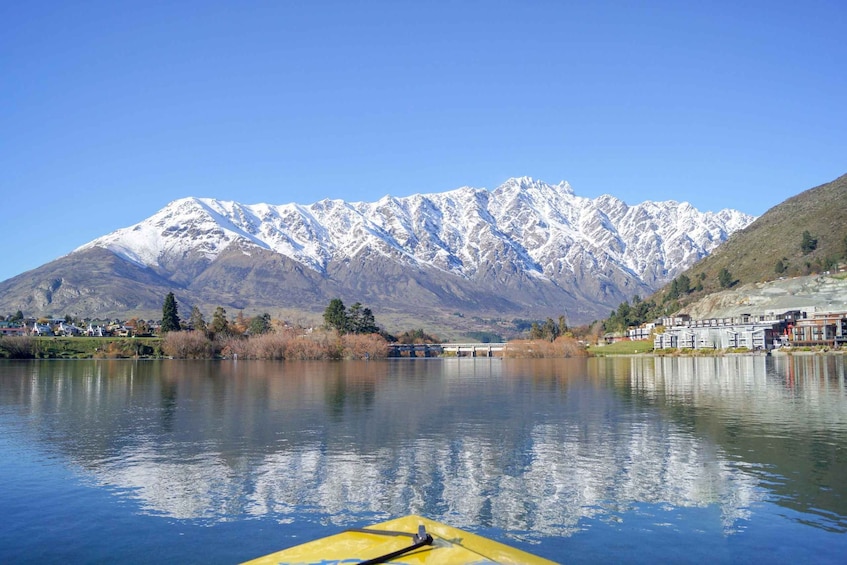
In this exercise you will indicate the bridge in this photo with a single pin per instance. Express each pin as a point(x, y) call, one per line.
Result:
point(436, 349)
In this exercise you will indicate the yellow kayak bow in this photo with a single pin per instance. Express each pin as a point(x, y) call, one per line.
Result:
point(410, 540)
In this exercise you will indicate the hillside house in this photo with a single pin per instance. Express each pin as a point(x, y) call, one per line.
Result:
point(720, 334)
point(12, 329)
point(40, 329)
point(642, 332)
point(761, 332)
point(816, 328)
point(124, 331)
point(68, 329)
point(614, 337)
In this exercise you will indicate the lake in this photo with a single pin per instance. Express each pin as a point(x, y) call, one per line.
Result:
point(635, 459)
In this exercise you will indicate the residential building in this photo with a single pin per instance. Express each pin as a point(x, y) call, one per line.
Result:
point(759, 332)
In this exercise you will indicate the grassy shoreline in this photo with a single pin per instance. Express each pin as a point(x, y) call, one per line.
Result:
point(152, 348)
point(97, 348)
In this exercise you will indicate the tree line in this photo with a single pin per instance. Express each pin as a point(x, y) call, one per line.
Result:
point(642, 311)
point(220, 325)
point(549, 330)
point(346, 333)
point(356, 319)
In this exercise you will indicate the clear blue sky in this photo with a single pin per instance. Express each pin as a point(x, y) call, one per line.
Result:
point(110, 110)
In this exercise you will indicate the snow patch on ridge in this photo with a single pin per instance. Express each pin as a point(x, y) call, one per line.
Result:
point(524, 225)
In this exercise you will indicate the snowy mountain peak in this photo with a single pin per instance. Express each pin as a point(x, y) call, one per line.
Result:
point(601, 249)
point(528, 184)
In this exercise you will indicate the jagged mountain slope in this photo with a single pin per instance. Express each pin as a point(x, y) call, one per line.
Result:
point(526, 249)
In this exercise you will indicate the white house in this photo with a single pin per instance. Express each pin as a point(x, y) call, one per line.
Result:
point(40, 329)
point(69, 329)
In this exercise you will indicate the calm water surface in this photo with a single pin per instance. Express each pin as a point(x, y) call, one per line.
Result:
point(641, 460)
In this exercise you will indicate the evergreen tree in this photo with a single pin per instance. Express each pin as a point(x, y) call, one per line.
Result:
point(354, 318)
point(679, 287)
point(360, 320)
point(416, 336)
point(535, 331)
point(220, 325)
point(260, 324)
point(623, 315)
point(684, 284)
point(170, 317)
point(640, 311)
point(335, 316)
point(809, 243)
point(549, 330)
point(563, 326)
point(673, 291)
point(368, 322)
point(725, 278)
point(196, 321)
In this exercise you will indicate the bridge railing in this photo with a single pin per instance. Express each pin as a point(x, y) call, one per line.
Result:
point(473, 349)
point(460, 349)
point(497, 346)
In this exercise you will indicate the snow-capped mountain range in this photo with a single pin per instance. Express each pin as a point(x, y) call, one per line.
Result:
point(526, 247)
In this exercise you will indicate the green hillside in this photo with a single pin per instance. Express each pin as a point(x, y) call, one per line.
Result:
point(804, 235)
point(772, 246)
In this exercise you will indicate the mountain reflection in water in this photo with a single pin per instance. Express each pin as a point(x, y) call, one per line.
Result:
point(534, 448)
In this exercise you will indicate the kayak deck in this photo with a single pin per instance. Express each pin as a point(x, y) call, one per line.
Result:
point(447, 545)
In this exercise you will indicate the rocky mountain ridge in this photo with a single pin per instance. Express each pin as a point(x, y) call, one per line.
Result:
point(525, 249)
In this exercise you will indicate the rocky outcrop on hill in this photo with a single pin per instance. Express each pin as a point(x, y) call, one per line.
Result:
point(822, 293)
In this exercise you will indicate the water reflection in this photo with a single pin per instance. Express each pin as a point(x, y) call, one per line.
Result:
point(535, 448)
point(782, 420)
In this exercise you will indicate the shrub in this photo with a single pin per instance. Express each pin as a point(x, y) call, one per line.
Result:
point(541, 348)
point(117, 349)
point(290, 344)
point(304, 348)
point(808, 243)
point(187, 345)
point(361, 346)
point(329, 343)
point(570, 347)
point(271, 346)
point(229, 345)
point(18, 347)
